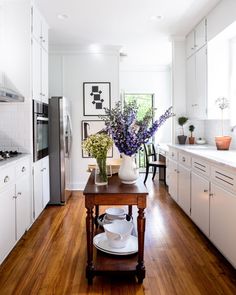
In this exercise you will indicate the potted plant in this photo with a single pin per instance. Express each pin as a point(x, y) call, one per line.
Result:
point(182, 121)
point(222, 142)
point(191, 139)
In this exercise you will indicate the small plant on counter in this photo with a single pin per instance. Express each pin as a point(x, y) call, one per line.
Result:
point(182, 121)
point(191, 139)
point(222, 142)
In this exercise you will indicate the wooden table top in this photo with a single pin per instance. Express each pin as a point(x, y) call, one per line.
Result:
point(114, 187)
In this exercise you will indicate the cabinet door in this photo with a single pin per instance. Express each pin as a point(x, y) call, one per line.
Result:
point(44, 76)
point(222, 222)
point(173, 179)
point(36, 70)
point(201, 84)
point(46, 187)
point(200, 202)
point(7, 222)
point(191, 85)
point(23, 205)
point(44, 35)
point(36, 24)
point(200, 34)
point(190, 42)
point(184, 188)
point(38, 188)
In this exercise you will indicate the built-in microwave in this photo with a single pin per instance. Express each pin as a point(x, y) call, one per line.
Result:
point(40, 130)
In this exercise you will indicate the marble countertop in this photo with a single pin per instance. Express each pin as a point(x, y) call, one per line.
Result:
point(13, 160)
point(209, 152)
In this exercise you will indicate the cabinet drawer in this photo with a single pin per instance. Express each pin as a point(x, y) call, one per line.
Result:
point(201, 167)
point(173, 154)
point(7, 176)
point(223, 178)
point(22, 168)
point(184, 159)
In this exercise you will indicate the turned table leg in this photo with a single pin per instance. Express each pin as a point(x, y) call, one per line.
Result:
point(130, 212)
point(89, 230)
point(96, 215)
point(140, 268)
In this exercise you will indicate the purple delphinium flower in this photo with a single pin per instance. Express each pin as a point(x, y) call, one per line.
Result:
point(127, 132)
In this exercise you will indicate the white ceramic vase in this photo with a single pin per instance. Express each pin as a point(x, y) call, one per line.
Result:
point(128, 172)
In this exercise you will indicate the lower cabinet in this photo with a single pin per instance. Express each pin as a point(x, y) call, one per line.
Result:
point(184, 179)
point(23, 205)
point(15, 209)
point(200, 202)
point(7, 221)
point(223, 221)
point(41, 185)
point(173, 179)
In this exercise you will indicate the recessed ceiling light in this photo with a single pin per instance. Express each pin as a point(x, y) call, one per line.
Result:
point(62, 16)
point(157, 17)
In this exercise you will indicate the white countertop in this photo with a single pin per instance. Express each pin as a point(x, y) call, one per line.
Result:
point(209, 152)
point(13, 160)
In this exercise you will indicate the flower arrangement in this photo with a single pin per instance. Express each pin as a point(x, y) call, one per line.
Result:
point(97, 145)
point(129, 133)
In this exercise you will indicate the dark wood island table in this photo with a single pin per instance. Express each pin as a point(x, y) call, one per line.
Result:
point(115, 193)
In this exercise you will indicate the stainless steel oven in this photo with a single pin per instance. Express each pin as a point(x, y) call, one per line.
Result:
point(40, 130)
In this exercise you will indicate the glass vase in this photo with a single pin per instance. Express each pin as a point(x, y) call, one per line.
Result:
point(101, 172)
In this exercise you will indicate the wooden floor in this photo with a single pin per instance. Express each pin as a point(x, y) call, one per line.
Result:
point(51, 257)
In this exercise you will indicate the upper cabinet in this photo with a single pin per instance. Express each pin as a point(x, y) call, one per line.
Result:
point(39, 57)
point(196, 39)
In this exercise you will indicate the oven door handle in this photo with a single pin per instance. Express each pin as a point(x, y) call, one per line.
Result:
point(41, 119)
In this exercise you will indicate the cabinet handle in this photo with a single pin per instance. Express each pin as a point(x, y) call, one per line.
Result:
point(42, 94)
point(6, 179)
point(19, 194)
point(178, 171)
point(23, 169)
point(14, 197)
point(211, 195)
point(205, 190)
point(172, 154)
point(192, 48)
point(42, 170)
point(43, 40)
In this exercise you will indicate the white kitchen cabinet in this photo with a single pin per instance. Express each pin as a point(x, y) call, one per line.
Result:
point(190, 43)
point(39, 57)
point(200, 34)
point(173, 179)
point(23, 205)
point(7, 221)
point(184, 192)
point(196, 39)
point(46, 185)
point(41, 185)
point(36, 70)
point(44, 76)
point(200, 204)
point(222, 221)
point(196, 84)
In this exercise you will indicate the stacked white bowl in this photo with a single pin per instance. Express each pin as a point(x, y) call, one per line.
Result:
point(115, 213)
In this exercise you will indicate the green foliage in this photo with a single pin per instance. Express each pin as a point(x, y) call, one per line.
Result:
point(191, 128)
point(182, 121)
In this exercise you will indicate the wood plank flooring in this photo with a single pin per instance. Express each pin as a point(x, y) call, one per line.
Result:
point(51, 257)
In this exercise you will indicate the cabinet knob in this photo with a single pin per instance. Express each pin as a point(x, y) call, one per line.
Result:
point(205, 190)
point(23, 169)
point(211, 195)
point(172, 154)
point(14, 197)
point(19, 194)
point(6, 179)
point(42, 170)
point(183, 159)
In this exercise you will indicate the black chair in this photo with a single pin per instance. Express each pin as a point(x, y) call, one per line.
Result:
point(152, 161)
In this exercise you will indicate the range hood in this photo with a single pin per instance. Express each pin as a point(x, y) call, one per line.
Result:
point(7, 95)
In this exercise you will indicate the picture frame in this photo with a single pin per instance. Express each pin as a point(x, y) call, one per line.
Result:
point(89, 127)
point(96, 97)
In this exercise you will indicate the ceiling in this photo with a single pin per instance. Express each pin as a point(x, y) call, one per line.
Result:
point(124, 23)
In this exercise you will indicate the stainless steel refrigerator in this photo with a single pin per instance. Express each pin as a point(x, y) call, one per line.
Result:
point(60, 141)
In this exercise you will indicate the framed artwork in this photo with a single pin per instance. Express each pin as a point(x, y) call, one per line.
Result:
point(90, 127)
point(96, 97)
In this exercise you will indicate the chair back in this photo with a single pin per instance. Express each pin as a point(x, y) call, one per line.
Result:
point(150, 152)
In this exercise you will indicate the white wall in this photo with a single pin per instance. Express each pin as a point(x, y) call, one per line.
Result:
point(152, 80)
point(67, 72)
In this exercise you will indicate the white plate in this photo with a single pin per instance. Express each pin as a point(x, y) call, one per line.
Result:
point(101, 243)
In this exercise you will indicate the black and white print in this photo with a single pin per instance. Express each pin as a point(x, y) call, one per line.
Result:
point(90, 127)
point(97, 96)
